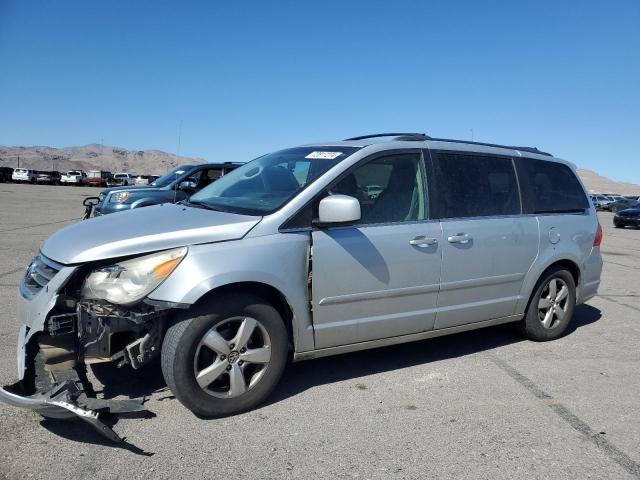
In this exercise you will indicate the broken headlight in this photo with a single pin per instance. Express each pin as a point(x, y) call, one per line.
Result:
point(127, 282)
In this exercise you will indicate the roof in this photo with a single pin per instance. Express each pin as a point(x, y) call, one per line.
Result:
point(421, 140)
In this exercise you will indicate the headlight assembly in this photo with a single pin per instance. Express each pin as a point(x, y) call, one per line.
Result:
point(127, 282)
point(119, 197)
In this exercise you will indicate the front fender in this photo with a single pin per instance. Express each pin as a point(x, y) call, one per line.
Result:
point(279, 261)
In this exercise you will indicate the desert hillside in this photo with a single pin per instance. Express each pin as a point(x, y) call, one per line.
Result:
point(117, 159)
point(92, 157)
point(598, 184)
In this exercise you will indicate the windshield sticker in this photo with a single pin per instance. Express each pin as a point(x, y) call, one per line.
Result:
point(324, 155)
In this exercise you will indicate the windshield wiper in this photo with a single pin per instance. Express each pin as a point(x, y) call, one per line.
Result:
point(197, 204)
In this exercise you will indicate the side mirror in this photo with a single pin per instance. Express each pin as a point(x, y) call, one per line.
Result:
point(338, 209)
point(186, 185)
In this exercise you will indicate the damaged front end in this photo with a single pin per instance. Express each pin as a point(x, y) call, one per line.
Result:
point(63, 332)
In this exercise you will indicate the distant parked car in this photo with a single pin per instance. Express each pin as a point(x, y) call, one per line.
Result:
point(373, 191)
point(73, 177)
point(97, 178)
point(622, 204)
point(51, 178)
point(5, 174)
point(145, 179)
point(627, 218)
point(179, 184)
point(23, 175)
point(121, 179)
point(602, 202)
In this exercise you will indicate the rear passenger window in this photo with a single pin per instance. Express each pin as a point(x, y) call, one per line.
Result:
point(469, 185)
point(550, 187)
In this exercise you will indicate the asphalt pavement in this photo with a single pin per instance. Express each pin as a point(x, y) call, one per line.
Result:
point(483, 404)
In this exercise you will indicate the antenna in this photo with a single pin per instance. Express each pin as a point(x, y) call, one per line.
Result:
point(179, 137)
point(175, 189)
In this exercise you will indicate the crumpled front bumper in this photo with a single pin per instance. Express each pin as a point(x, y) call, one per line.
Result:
point(66, 399)
point(58, 403)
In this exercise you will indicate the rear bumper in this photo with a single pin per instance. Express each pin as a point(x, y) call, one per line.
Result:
point(590, 276)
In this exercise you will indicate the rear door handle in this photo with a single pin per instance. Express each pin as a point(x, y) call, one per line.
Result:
point(421, 241)
point(460, 238)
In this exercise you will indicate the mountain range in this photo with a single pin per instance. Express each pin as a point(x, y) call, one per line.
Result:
point(157, 162)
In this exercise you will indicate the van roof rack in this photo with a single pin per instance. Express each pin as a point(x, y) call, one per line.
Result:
point(420, 137)
point(522, 149)
point(400, 136)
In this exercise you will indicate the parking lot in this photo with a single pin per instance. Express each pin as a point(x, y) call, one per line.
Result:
point(482, 404)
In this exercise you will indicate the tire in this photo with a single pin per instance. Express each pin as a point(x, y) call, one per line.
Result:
point(536, 325)
point(184, 355)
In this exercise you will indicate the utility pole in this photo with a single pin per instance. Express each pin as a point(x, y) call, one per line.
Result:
point(179, 137)
point(471, 129)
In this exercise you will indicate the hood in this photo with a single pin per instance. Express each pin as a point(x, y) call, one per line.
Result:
point(631, 211)
point(128, 188)
point(144, 230)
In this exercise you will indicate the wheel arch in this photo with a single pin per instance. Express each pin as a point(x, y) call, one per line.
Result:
point(263, 290)
point(534, 277)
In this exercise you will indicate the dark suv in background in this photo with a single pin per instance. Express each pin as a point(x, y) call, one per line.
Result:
point(51, 178)
point(5, 174)
point(179, 184)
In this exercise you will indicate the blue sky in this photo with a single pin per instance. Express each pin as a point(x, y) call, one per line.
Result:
point(245, 78)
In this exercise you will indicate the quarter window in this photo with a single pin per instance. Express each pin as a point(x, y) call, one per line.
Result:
point(469, 185)
point(550, 187)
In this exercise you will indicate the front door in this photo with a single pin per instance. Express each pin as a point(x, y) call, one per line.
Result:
point(488, 246)
point(380, 277)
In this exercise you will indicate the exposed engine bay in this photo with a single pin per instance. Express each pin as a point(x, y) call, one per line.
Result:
point(78, 333)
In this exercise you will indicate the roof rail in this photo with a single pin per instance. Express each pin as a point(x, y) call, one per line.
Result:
point(402, 136)
point(522, 149)
point(422, 137)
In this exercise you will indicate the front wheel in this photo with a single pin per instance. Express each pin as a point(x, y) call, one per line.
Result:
point(551, 306)
point(226, 357)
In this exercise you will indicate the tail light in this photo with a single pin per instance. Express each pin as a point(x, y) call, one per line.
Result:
point(598, 238)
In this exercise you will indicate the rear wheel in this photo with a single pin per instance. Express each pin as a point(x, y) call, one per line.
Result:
point(226, 357)
point(551, 306)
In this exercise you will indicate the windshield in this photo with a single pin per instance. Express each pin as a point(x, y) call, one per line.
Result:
point(73, 172)
point(171, 177)
point(94, 174)
point(265, 184)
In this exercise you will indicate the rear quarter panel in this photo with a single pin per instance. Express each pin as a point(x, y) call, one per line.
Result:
point(573, 235)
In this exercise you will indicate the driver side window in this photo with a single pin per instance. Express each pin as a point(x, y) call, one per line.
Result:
point(390, 189)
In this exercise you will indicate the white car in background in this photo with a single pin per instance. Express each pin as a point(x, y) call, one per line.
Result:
point(73, 177)
point(121, 179)
point(24, 175)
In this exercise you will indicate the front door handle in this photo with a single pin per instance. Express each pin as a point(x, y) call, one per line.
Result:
point(460, 238)
point(421, 241)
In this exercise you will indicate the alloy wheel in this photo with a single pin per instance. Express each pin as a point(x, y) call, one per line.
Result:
point(232, 357)
point(553, 303)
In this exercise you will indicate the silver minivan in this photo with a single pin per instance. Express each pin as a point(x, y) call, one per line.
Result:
point(291, 257)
